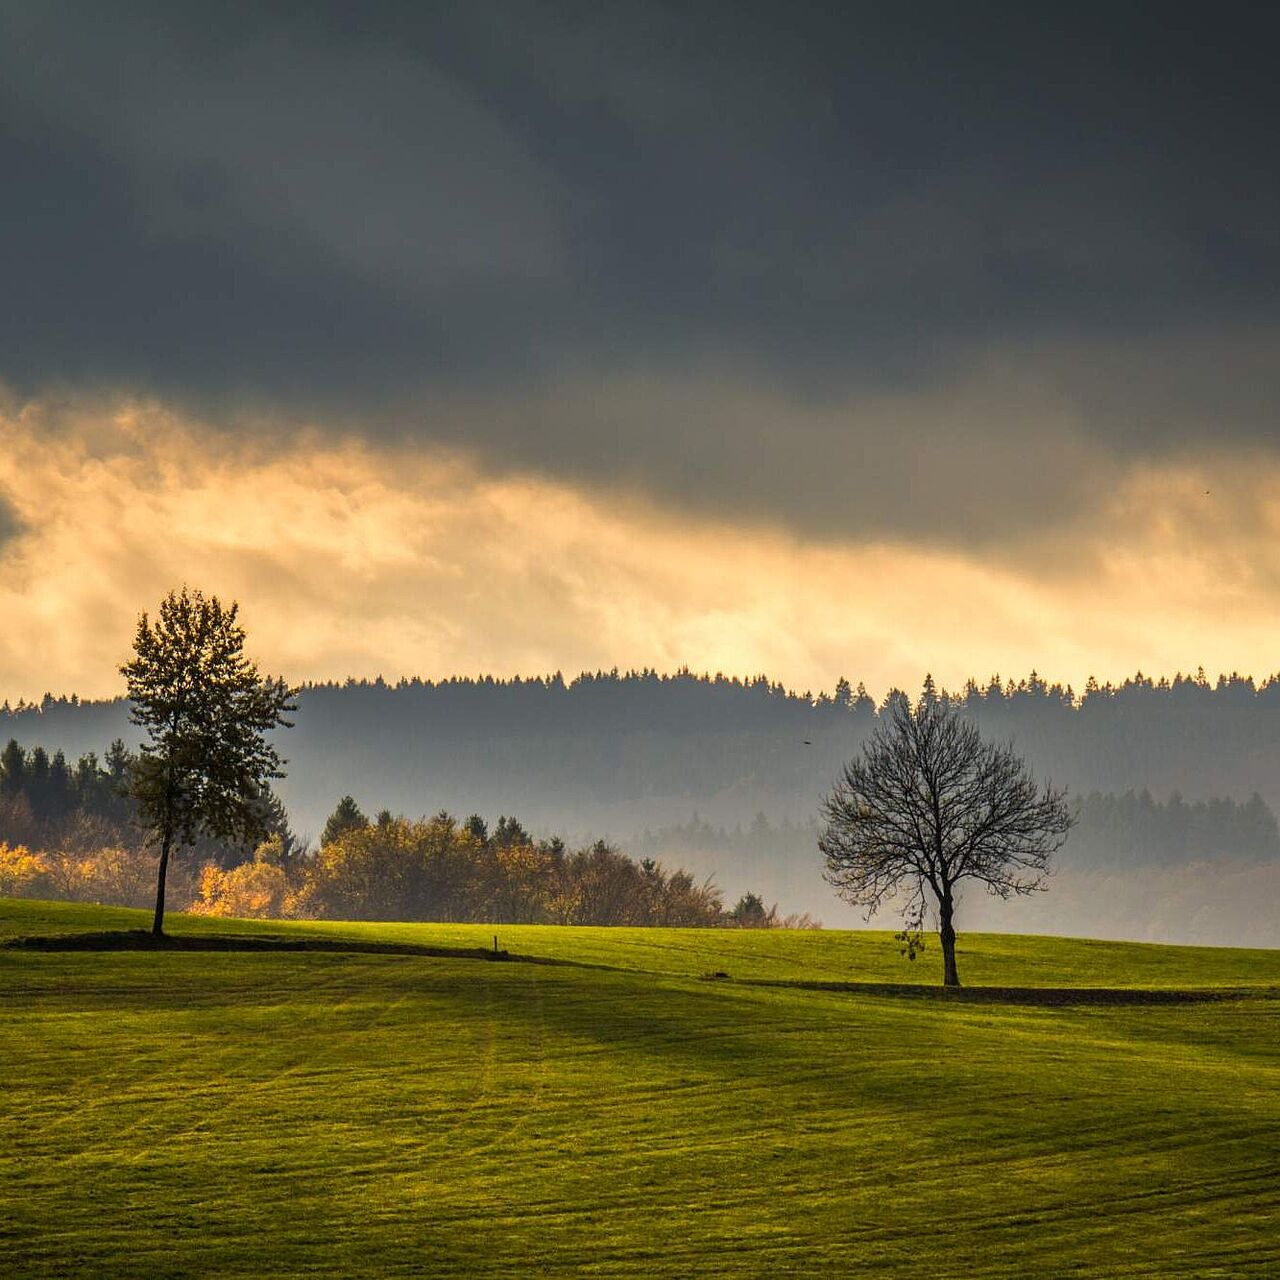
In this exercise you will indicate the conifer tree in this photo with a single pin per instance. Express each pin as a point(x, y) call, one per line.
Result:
point(13, 768)
point(346, 816)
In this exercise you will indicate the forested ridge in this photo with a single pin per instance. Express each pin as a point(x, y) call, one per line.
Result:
point(621, 754)
point(658, 746)
point(1132, 830)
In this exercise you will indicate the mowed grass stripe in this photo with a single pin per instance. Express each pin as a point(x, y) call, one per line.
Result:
point(824, 955)
point(190, 1114)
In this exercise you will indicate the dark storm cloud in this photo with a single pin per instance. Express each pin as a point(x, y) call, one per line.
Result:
point(736, 253)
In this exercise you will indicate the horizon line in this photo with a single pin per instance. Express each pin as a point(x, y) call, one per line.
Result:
point(1033, 684)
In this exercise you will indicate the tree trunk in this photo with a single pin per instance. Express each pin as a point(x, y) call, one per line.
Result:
point(948, 934)
point(157, 927)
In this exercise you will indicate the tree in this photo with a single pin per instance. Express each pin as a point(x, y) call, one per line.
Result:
point(346, 816)
point(13, 767)
point(59, 786)
point(509, 831)
point(750, 912)
point(929, 805)
point(38, 782)
point(206, 763)
point(118, 761)
point(292, 848)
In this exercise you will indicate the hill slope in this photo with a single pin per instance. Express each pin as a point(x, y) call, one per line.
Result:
point(341, 1112)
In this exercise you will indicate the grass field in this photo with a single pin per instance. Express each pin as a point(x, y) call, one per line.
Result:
point(338, 1112)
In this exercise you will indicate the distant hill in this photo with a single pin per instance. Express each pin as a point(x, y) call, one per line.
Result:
point(615, 754)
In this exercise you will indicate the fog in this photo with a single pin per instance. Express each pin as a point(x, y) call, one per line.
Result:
point(1175, 782)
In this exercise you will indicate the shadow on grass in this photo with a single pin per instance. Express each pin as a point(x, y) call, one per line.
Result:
point(1044, 996)
point(144, 940)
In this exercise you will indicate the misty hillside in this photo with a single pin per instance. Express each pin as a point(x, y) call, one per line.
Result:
point(639, 757)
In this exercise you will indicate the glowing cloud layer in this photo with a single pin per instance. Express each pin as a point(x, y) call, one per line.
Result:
point(351, 558)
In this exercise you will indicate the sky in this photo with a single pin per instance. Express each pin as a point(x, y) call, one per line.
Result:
point(815, 340)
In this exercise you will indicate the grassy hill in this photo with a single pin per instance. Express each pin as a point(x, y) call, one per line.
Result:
point(330, 1112)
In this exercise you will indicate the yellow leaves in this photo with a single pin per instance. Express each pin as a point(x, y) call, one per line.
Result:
point(253, 890)
point(271, 851)
point(523, 860)
point(118, 876)
point(391, 870)
point(23, 874)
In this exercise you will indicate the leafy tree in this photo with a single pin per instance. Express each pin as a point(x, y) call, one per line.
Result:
point(346, 816)
point(23, 874)
point(87, 780)
point(259, 889)
point(206, 712)
point(521, 882)
point(395, 869)
point(927, 806)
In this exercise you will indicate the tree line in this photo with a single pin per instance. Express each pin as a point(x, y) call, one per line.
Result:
point(1135, 829)
point(1130, 829)
point(443, 869)
point(46, 803)
point(614, 752)
point(396, 868)
point(77, 829)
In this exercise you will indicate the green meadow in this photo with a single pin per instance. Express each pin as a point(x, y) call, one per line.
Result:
point(617, 1109)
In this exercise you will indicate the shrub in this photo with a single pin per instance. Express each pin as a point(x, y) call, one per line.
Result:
point(23, 874)
point(259, 890)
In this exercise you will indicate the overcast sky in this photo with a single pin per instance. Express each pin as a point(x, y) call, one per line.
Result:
point(816, 339)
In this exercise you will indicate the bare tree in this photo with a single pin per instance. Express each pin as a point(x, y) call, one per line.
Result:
point(929, 805)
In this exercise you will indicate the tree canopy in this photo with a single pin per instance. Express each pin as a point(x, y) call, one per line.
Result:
point(207, 764)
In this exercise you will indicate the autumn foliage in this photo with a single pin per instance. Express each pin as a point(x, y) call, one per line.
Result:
point(400, 869)
point(117, 874)
point(438, 869)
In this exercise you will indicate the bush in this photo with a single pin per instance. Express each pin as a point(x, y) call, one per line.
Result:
point(23, 874)
point(259, 890)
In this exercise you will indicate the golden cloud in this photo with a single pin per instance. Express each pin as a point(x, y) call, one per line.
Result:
point(354, 558)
